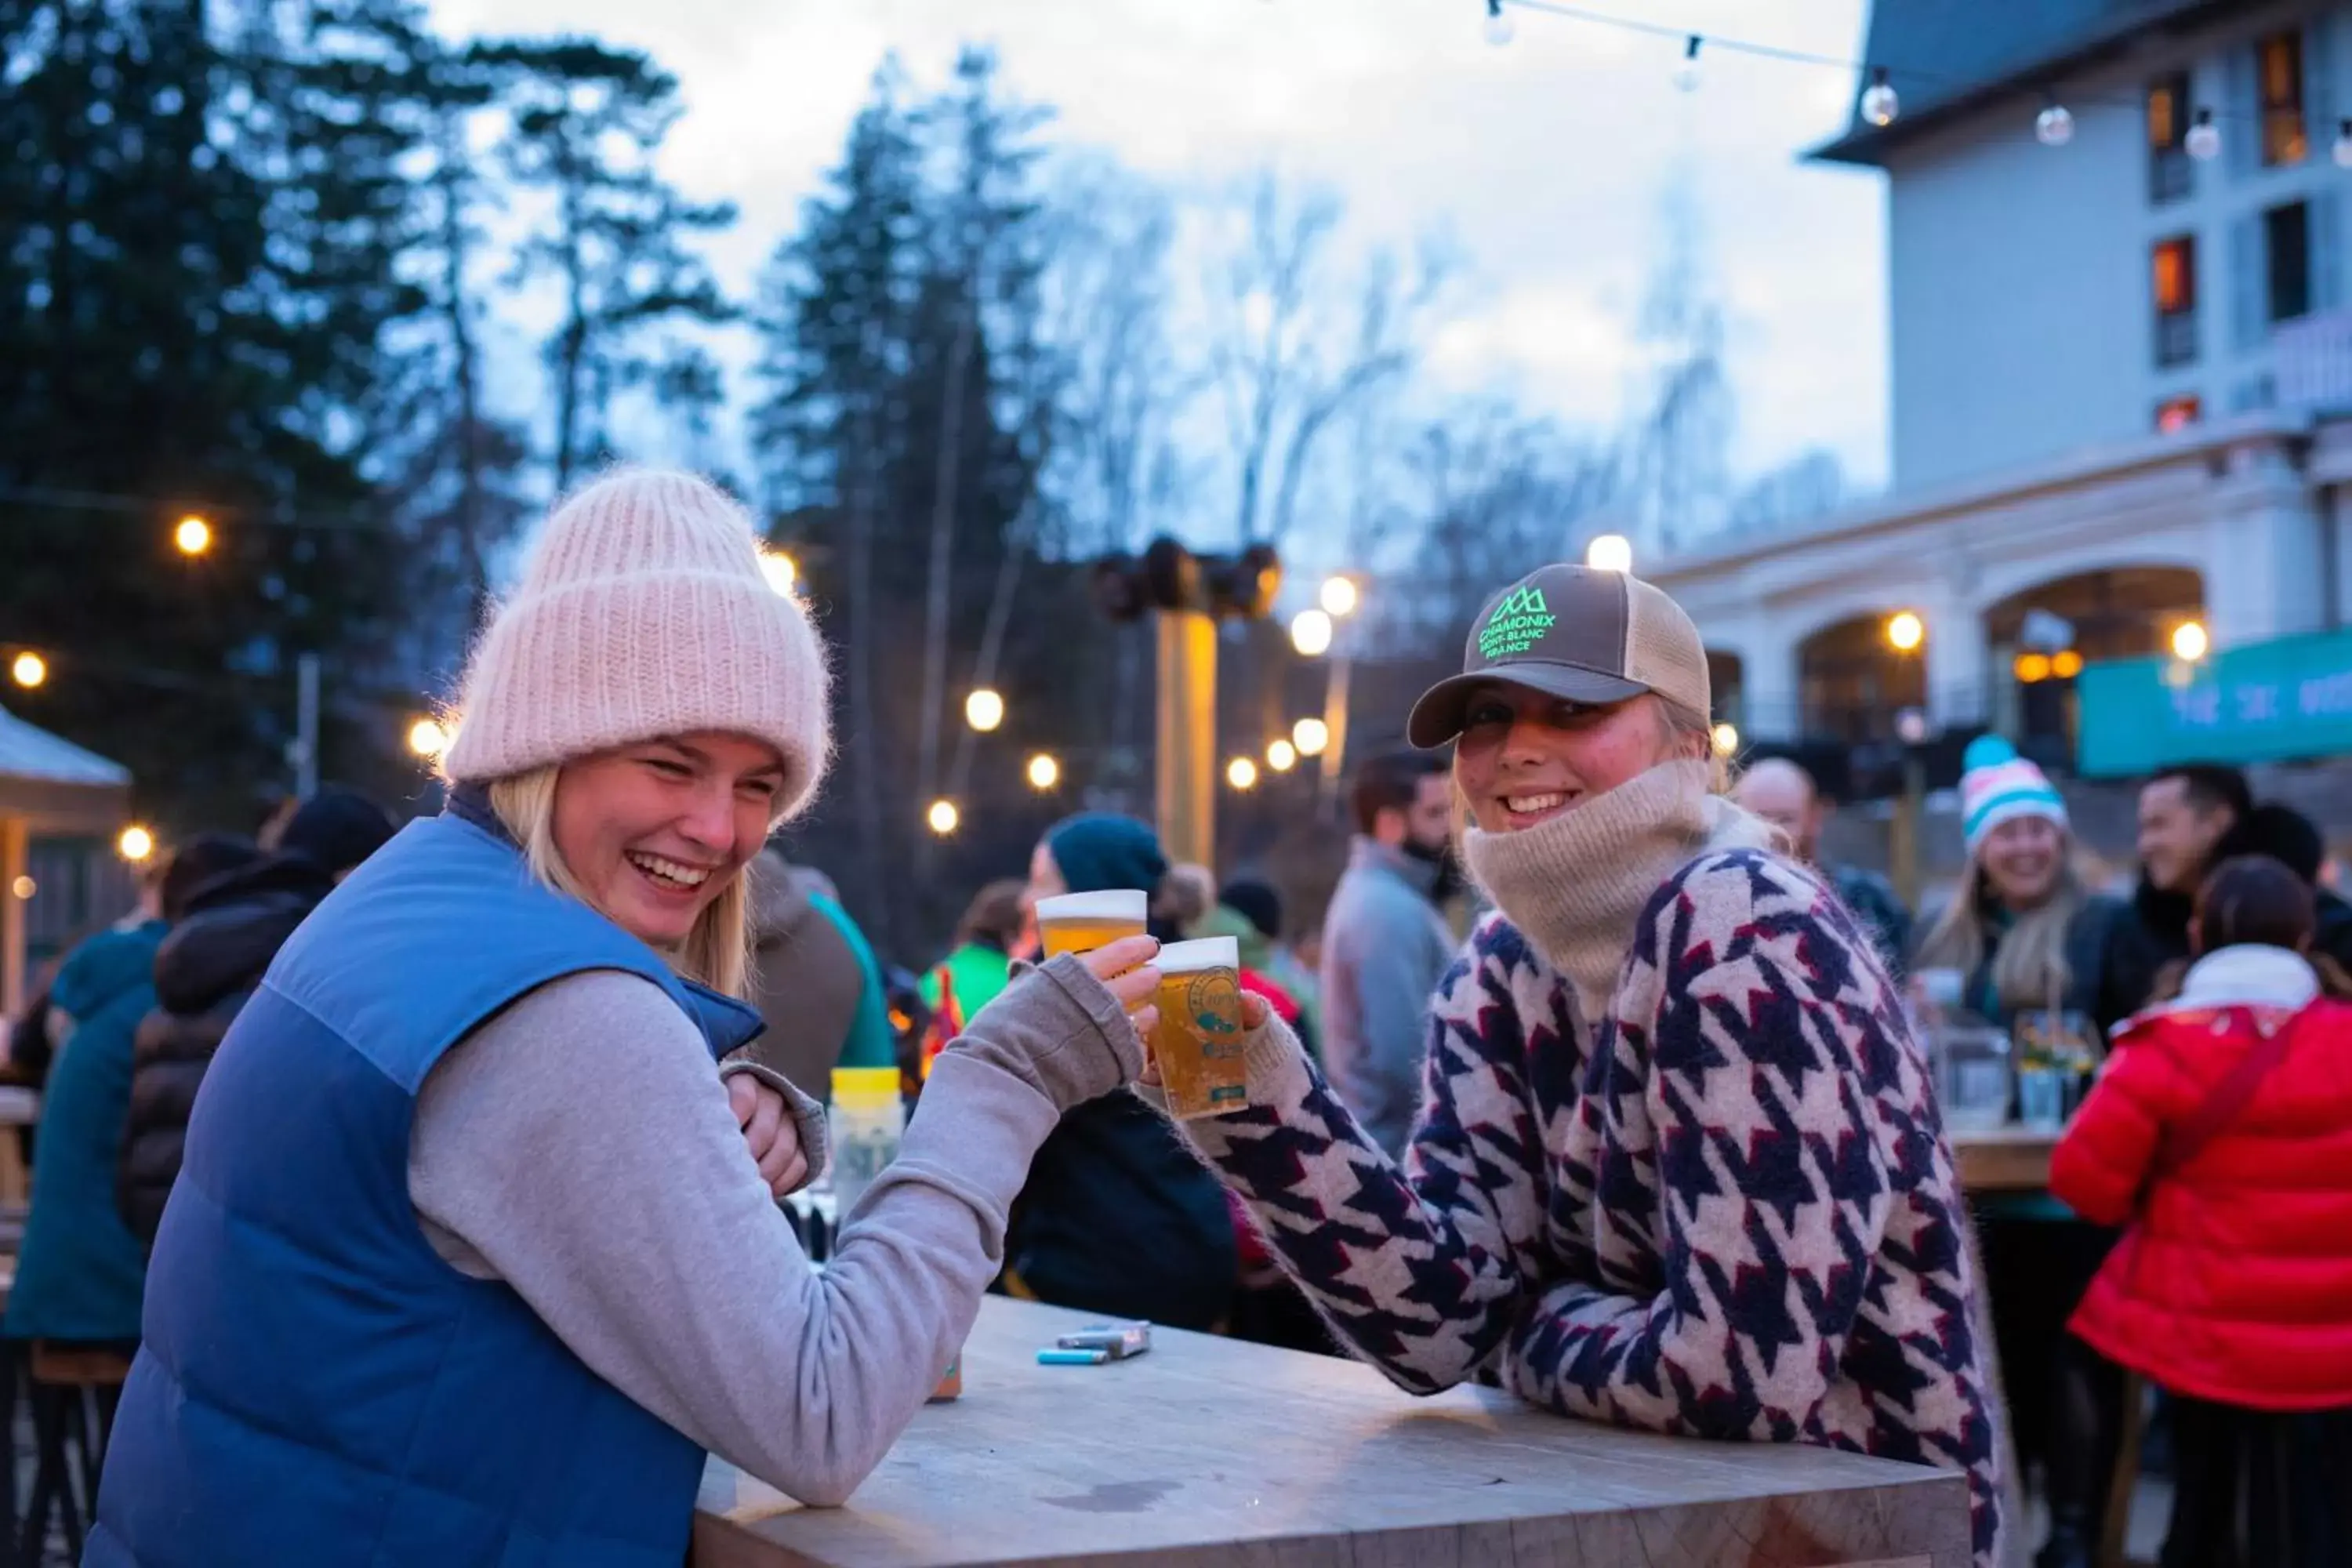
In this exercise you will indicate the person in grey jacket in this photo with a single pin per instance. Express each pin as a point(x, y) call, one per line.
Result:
point(1385, 945)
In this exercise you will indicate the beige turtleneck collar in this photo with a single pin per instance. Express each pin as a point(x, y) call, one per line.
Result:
point(1575, 885)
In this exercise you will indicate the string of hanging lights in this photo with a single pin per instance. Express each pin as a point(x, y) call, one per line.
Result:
point(1881, 104)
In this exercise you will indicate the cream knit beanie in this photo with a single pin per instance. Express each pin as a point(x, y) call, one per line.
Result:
point(643, 612)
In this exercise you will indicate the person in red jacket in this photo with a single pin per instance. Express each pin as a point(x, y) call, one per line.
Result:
point(2221, 1130)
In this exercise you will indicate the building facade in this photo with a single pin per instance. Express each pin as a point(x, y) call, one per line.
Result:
point(2122, 383)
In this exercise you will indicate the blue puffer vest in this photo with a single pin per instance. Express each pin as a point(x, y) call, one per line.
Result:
point(316, 1385)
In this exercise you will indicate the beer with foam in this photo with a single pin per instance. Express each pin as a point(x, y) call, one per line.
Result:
point(1081, 922)
point(1198, 1040)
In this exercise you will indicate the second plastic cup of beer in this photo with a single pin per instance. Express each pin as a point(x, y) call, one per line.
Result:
point(1198, 1041)
point(1081, 922)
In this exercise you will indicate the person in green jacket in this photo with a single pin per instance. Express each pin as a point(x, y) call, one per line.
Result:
point(993, 928)
point(81, 1273)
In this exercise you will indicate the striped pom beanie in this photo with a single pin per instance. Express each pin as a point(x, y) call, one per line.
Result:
point(1997, 785)
point(643, 612)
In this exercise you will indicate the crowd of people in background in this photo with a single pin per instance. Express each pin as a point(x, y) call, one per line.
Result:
point(1500, 1124)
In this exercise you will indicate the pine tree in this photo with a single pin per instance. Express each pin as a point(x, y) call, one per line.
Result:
point(587, 121)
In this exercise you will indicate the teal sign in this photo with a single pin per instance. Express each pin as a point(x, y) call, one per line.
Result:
point(2264, 702)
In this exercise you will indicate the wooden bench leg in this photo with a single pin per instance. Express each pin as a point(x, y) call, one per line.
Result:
point(2114, 1531)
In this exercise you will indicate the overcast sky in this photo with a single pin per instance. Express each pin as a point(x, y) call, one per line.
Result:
point(1545, 158)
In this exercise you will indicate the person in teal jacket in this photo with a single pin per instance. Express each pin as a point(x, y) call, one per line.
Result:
point(81, 1274)
point(814, 978)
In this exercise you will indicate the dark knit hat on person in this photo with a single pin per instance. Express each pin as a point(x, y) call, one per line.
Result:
point(1099, 851)
point(202, 859)
point(1256, 902)
point(336, 829)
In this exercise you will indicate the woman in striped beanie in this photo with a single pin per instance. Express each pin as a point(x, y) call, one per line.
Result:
point(2022, 931)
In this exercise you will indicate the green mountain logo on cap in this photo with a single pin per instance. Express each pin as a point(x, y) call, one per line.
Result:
point(1515, 624)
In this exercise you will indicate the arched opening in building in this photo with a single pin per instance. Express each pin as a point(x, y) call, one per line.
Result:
point(2037, 642)
point(1853, 680)
point(1726, 681)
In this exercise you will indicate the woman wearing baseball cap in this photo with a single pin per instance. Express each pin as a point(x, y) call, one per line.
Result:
point(1679, 1164)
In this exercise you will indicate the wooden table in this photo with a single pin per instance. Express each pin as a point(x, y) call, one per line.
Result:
point(2004, 1159)
point(1212, 1451)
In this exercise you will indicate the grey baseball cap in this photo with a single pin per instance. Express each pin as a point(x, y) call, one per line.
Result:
point(1576, 632)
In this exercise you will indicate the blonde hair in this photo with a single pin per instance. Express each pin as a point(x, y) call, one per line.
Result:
point(1682, 726)
point(715, 953)
point(2032, 964)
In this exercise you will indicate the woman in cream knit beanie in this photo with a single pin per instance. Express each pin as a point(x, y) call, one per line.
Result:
point(643, 617)
point(476, 1253)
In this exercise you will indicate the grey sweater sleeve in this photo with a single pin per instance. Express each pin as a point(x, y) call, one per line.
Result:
point(581, 1148)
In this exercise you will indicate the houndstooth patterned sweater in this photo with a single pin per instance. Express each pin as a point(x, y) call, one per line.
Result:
point(1727, 1212)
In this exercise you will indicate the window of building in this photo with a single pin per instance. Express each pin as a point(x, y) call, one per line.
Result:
point(2175, 413)
point(2278, 63)
point(2169, 170)
point(2286, 241)
point(2175, 279)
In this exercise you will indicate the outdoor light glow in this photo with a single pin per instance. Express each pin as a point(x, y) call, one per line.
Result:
point(1911, 727)
point(1339, 596)
point(1905, 632)
point(2204, 139)
point(428, 738)
point(136, 844)
point(943, 817)
point(2033, 667)
point(2054, 126)
point(1727, 740)
point(193, 536)
point(1044, 773)
point(1879, 104)
point(28, 670)
point(782, 572)
point(984, 710)
point(1242, 774)
point(1310, 633)
point(1311, 736)
point(1281, 756)
point(23, 888)
point(1610, 553)
point(2190, 641)
point(2067, 665)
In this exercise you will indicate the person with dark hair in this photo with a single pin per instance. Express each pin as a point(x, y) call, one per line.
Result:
point(1385, 944)
point(2221, 1133)
point(81, 1272)
point(233, 923)
point(1256, 901)
point(2192, 816)
point(1117, 1217)
point(2292, 839)
point(1784, 792)
point(995, 926)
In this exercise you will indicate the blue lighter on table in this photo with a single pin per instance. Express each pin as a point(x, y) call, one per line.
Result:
point(1055, 1356)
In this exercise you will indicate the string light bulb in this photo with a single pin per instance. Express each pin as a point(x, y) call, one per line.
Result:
point(1500, 29)
point(1339, 598)
point(28, 669)
point(1610, 553)
point(193, 536)
point(2342, 151)
point(984, 710)
point(1242, 774)
point(2054, 126)
point(1310, 633)
point(782, 572)
point(2190, 642)
point(1044, 773)
point(1687, 75)
point(1311, 736)
point(1724, 737)
point(2204, 138)
point(136, 845)
point(428, 738)
point(1281, 757)
point(1906, 631)
point(1879, 103)
point(943, 817)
